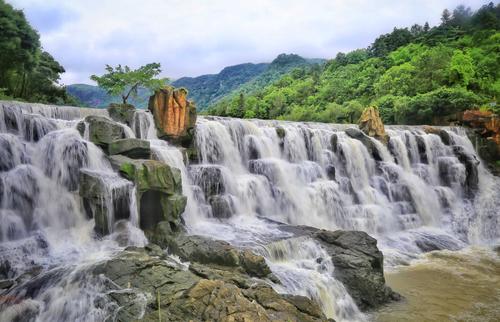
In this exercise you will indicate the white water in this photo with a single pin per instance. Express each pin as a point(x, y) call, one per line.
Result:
point(415, 195)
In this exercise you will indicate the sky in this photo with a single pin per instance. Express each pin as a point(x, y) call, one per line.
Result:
point(195, 37)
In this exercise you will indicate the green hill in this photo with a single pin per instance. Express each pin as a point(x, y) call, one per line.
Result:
point(414, 75)
point(207, 90)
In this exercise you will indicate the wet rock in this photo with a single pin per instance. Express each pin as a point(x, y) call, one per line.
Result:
point(330, 172)
point(178, 294)
point(158, 188)
point(103, 131)
point(443, 134)
point(367, 142)
point(280, 132)
point(219, 253)
point(36, 126)
point(471, 163)
point(175, 116)
point(358, 265)
point(123, 113)
point(98, 197)
point(334, 142)
point(6, 284)
point(210, 178)
point(132, 148)
point(222, 206)
point(371, 124)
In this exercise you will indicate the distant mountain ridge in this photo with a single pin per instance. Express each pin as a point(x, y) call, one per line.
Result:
point(206, 90)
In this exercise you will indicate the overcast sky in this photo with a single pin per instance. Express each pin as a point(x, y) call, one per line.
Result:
point(194, 37)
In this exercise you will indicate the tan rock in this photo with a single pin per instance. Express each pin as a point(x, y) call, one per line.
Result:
point(371, 124)
point(174, 114)
point(485, 121)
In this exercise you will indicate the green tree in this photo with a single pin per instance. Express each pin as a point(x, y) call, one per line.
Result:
point(125, 81)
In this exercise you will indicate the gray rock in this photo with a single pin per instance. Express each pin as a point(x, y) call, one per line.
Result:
point(103, 131)
point(222, 206)
point(366, 140)
point(132, 148)
point(123, 113)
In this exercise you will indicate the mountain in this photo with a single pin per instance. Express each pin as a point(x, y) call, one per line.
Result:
point(94, 96)
point(206, 90)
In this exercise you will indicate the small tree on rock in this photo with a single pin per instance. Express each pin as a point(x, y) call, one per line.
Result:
point(125, 81)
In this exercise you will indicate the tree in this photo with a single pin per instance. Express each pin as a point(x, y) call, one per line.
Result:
point(445, 17)
point(125, 81)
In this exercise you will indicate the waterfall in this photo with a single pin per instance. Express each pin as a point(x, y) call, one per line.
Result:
point(42, 222)
point(415, 194)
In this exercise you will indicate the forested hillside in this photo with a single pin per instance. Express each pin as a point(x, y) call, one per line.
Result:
point(206, 90)
point(414, 75)
point(94, 96)
point(27, 72)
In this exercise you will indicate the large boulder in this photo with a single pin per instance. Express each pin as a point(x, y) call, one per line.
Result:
point(105, 198)
point(132, 148)
point(123, 113)
point(371, 124)
point(198, 293)
point(358, 263)
point(158, 189)
point(103, 131)
point(175, 116)
point(365, 139)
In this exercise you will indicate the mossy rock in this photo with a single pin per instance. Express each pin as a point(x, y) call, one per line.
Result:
point(133, 148)
point(103, 131)
point(123, 113)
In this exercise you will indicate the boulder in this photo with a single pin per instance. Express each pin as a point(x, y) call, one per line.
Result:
point(218, 253)
point(174, 115)
point(358, 265)
point(132, 148)
point(471, 163)
point(199, 293)
point(443, 134)
point(371, 124)
point(123, 113)
point(158, 189)
point(222, 206)
point(103, 131)
point(210, 178)
point(367, 142)
point(105, 198)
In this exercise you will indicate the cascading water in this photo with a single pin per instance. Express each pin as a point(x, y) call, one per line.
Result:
point(415, 194)
point(43, 229)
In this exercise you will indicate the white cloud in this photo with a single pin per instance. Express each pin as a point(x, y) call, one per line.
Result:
point(193, 37)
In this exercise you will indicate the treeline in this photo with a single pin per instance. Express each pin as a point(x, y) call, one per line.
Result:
point(27, 72)
point(414, 75)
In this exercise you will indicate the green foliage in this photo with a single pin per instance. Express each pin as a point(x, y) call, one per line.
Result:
point(125, 81)
point(414, 76)
point(26, 71)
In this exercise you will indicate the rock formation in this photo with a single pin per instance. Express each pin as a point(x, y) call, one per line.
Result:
point(371, 124)
point(485, 134)
point(102, 131)
point(123, 113)
point(174, 115)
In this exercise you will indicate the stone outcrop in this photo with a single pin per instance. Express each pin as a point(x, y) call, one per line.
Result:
point(358, 263)
point(485, 135)
point(102, 131)
point(371, 124)
point(198, 293)
point(175, 116)
point(98, 197)
point(158, 188)
point(445, 136)
point(367, 142)
point(132, 148)
point(123, 113)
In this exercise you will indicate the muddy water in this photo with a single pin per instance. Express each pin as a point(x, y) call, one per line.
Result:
point(447, 286)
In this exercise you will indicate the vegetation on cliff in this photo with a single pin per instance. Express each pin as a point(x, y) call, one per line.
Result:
point(413, 75)
point(27, 72)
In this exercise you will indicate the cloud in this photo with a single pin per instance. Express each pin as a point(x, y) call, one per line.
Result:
point(193, 37)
